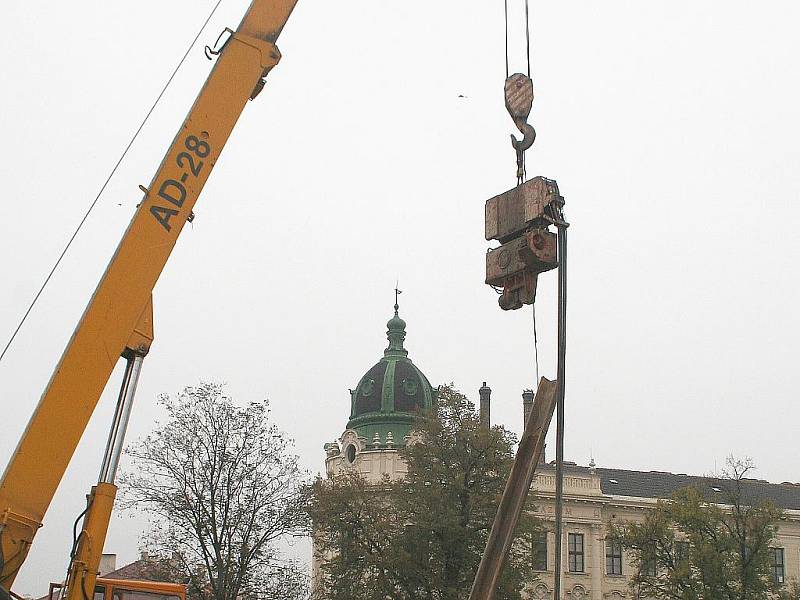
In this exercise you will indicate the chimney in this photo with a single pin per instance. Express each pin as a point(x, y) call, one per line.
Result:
point(485, 393)
point(108, 563)
point(527, 408)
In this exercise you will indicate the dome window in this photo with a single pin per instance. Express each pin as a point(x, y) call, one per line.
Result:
point(350, 453)
point(410, 387)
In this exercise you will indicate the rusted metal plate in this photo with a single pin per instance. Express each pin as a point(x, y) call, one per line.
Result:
point(519, 96)
point(518, 290)
point(509, 213)
point(540, 251)
point(515, 492)
point(536, 252)
point(503, 262)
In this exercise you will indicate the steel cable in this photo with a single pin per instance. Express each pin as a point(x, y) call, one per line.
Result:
point(527, 35)
point(106, 182)
point(562, 351)
point(528, 38)
point(505, 7)
point(535, 343)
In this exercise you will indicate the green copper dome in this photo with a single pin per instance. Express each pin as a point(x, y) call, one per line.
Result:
point(391, 394)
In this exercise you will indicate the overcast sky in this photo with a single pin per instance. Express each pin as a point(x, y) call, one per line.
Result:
point(671, 127)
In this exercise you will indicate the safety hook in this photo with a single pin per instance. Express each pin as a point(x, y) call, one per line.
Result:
point(211, 52)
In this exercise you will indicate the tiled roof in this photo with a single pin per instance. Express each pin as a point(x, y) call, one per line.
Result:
point(659, 484)
point(135, 570)
point(140, 570)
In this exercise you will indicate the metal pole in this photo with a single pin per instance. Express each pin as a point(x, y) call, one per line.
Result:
point(562, 351)
point(116, 437)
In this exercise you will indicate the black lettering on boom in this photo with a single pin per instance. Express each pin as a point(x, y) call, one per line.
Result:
point(163, 215)
point(198, 146)
point(172, 190)
point(194, 169)
point(168, 189)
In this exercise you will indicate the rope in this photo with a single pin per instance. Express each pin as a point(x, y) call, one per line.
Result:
point(105, 184)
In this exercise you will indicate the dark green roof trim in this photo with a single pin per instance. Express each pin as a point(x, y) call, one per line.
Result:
point(387, 397)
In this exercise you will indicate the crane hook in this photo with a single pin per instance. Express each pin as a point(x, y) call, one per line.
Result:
point(528, 137)
point(519, 100)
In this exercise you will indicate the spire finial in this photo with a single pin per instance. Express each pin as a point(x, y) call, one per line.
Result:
point(396, 328)
point(397, 292)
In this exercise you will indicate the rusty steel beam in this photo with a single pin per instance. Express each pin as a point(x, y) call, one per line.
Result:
point(515, 493)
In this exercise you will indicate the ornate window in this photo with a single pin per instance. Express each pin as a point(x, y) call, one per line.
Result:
point(777, 564)
point(575, 552)
point(681, 553)
point(578, 592)
point(649, 564)
point(539, 550)
point(541, 592)
point(614, 557)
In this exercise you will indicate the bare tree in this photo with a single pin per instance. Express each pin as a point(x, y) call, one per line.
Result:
point(222, 489)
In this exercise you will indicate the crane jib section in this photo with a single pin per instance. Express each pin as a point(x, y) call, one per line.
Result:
point(123, 294)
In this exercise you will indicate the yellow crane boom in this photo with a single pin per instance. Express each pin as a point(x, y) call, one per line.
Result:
point(117, 321)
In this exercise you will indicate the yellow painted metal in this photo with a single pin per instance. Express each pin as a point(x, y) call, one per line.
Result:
point(142, 336)
point(108, 323)
point(83, 570)
point(169, 589)
point(108, 585)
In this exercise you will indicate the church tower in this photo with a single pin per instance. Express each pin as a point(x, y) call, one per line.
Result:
point(383, 407)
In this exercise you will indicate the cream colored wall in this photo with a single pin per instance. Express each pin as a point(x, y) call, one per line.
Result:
point(587, 510)
point(372, 463)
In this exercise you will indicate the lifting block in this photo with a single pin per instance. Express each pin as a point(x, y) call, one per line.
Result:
point(510, 213)
point(518, 219)
point(534, 252)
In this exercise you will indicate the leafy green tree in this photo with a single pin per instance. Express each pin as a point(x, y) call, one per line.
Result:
point(692, 549)
point(422, 537)
point(222, 489)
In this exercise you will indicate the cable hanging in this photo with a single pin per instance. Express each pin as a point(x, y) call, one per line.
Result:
point(106, 182)
point(519, 97)
point(560, 383)
point(527, 36)
point(535, 343)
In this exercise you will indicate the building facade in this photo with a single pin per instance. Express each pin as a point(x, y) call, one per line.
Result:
point(394, 391)
point(595, 569)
